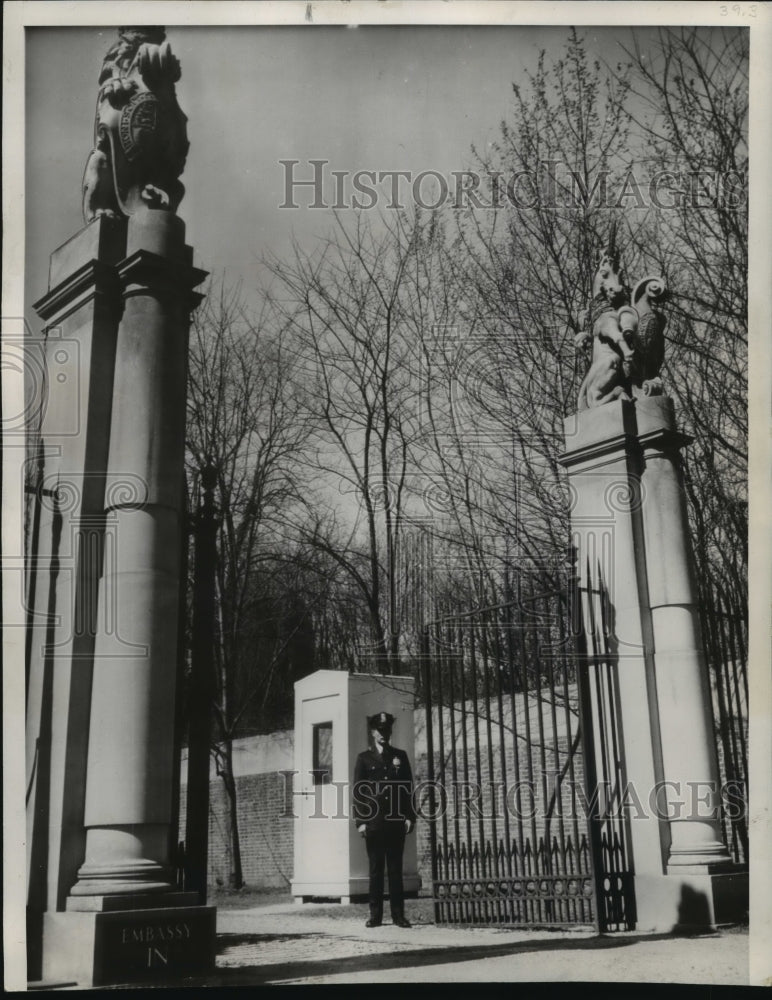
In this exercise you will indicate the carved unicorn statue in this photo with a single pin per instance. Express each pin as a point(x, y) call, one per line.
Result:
point(140, 133)
point(628, 341)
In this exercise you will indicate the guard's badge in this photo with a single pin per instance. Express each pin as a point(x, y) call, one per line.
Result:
point(395, 762)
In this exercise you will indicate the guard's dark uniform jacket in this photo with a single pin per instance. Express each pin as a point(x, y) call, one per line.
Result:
point(383, 800)
point(383, 789)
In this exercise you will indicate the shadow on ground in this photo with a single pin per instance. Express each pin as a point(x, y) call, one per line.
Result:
point(255, 975)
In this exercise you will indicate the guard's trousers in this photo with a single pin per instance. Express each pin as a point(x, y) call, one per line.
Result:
point(384, 848)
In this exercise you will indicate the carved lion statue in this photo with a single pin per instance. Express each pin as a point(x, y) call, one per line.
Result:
point(140, 132)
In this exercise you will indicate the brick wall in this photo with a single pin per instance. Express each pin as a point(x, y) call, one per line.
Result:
point(266, 835)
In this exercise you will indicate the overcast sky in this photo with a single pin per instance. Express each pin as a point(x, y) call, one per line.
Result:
point(367, 98)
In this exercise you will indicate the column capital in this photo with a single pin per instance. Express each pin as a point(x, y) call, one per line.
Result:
point(664, 439)
point(144, 270)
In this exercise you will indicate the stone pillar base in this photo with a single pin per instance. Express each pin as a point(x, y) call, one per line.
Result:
point(692, 901)
point(108, 903)
point(108, 946)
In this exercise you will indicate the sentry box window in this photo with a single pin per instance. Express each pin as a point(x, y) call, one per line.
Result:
point(322, 765)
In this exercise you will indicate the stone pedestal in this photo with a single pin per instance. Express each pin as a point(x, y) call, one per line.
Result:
point(630, 531)
point(110, 940)
point(103, 669)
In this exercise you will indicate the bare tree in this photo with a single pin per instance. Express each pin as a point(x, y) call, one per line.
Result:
point(349, 306)
point(516, 278)
point(245, 420)
point(691, 116)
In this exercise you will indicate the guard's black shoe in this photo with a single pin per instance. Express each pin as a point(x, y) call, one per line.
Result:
point(372, 923)
point(401, 922)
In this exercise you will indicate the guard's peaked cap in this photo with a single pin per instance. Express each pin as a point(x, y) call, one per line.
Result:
point(381, 720)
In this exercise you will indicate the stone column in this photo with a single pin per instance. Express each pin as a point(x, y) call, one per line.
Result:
point(130, 755)
point(683, 691)
point(629, 521)
point(81, 310)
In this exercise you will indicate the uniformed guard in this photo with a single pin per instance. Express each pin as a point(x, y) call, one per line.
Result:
point(384, 814)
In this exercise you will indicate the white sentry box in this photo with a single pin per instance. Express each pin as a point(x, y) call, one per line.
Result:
point(331, 710)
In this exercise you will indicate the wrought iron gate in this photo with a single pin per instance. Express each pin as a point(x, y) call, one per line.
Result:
point(526, 766)
point(507, 693)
